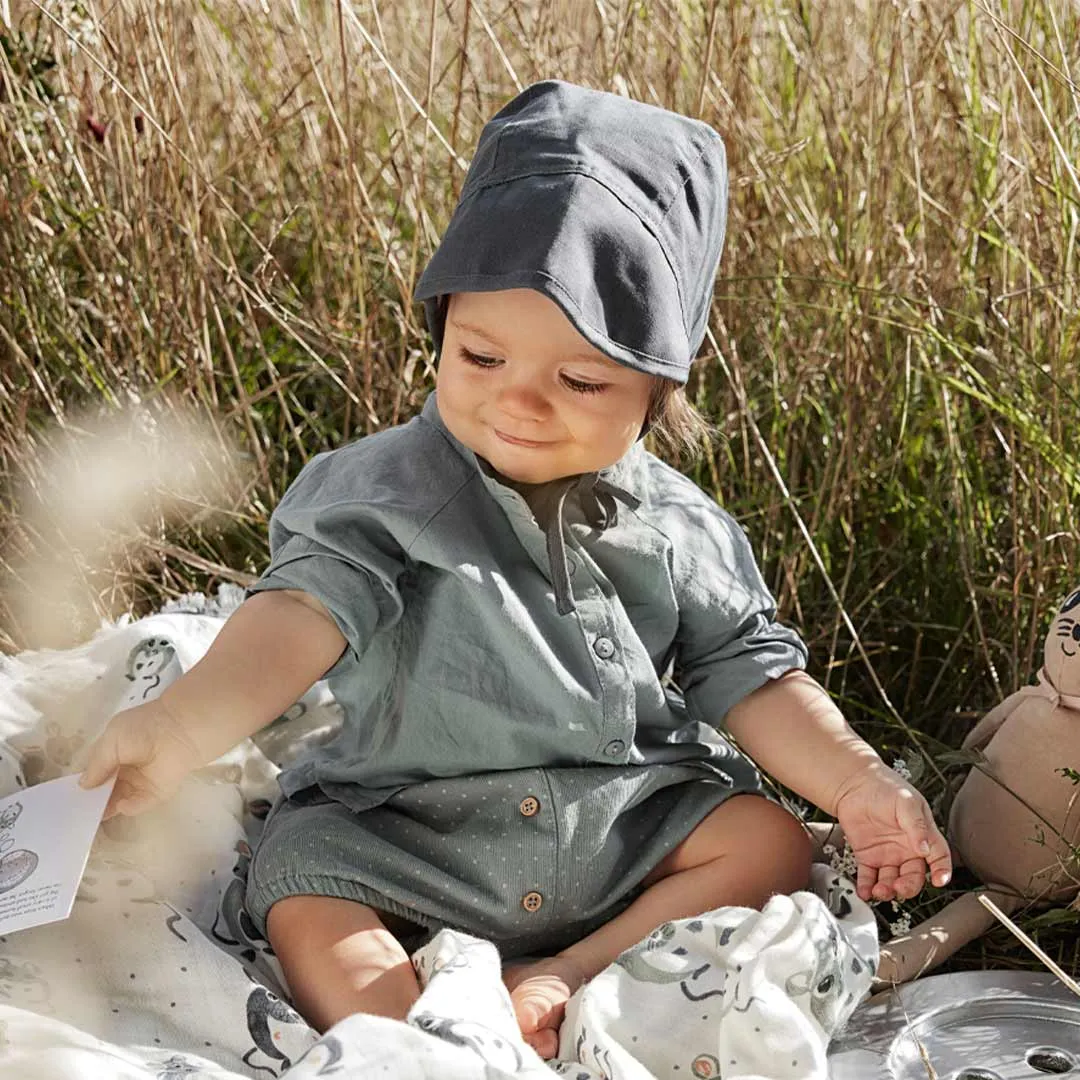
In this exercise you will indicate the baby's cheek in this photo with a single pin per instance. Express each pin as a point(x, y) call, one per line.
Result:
point(608, 435)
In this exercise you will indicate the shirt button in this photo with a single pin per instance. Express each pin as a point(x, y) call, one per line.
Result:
point(604, 648)
point(531, 901)
point(529, 806)
point(614, 748)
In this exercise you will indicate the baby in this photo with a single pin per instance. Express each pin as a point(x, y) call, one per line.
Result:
point(539, 633)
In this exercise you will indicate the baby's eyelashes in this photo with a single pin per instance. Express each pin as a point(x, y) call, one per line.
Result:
point(581, 387)
point(578, 386)
point(479, 359)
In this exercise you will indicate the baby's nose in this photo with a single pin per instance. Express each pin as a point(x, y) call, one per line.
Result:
point(1076, 632)
point(523, 402)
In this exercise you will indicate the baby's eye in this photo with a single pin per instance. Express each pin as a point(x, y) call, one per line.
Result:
point(479, 359)
point(580, 387)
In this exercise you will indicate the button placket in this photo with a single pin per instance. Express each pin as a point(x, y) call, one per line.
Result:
point(604, 647)
point(522, 523)
point(598, 622)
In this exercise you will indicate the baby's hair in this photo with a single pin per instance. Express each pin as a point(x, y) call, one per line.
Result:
point(672, 421)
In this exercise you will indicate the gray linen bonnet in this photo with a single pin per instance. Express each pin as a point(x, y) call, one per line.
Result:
point(612, 208)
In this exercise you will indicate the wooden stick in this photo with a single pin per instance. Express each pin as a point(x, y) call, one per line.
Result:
point(1025, 940)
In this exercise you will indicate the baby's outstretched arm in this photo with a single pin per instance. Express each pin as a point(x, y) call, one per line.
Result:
point(791, 728)
point(268, 653)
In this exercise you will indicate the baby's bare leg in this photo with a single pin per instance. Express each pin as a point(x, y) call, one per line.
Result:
point(746, 850)
point(339, 958)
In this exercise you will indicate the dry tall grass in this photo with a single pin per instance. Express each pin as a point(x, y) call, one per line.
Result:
point(227, 205)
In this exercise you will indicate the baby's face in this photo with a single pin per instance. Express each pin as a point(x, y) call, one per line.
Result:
point(522, 388)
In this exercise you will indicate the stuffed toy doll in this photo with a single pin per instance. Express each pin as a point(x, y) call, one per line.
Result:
point(1015, 822)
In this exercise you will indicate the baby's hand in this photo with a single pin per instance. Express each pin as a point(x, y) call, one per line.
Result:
point(151, 753)
point(892, 834)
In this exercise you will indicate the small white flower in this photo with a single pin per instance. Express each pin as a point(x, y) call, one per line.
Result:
point(843, 862)
point(900, 766)
point(901, 926)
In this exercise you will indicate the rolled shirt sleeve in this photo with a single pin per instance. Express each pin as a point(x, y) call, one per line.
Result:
point(728, 642)
point(332, 547)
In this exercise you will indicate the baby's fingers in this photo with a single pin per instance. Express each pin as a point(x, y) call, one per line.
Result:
point(865, 881)
point(940, 860)
point(910, 879)
point(885, 889)
point(130, 805)
point(925, 837)
point(133, 794)
point(103, 760)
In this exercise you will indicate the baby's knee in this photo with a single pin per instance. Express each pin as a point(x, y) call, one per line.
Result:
point(777, 842)
point(750, 840)
point(795, 848)
point(290, 917)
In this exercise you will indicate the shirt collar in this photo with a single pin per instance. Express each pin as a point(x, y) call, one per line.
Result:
point(597, 494)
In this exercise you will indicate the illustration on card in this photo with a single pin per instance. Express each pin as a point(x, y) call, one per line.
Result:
point(18, 864)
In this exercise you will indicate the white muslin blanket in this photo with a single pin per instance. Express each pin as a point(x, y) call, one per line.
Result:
point(159, 975)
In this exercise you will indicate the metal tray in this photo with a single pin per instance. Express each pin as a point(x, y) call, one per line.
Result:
point(967, 1025)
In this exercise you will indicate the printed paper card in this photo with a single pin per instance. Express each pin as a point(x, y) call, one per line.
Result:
point(45, 836)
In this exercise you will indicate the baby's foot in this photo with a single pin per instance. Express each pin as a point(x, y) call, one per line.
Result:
point(539, 993)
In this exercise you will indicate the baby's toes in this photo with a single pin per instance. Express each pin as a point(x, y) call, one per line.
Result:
point(539, 1002)
point(545, 1042)
point(539, 993)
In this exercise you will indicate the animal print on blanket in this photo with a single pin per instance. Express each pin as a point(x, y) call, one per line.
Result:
point(159, 973)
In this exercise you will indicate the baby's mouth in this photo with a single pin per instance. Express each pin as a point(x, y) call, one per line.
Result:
point(1066, 651)
point(516, 441)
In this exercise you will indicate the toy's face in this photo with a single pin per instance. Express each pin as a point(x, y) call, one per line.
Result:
point(1062, 651)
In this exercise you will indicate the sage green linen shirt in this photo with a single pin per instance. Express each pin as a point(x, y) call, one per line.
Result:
point(458, 662)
